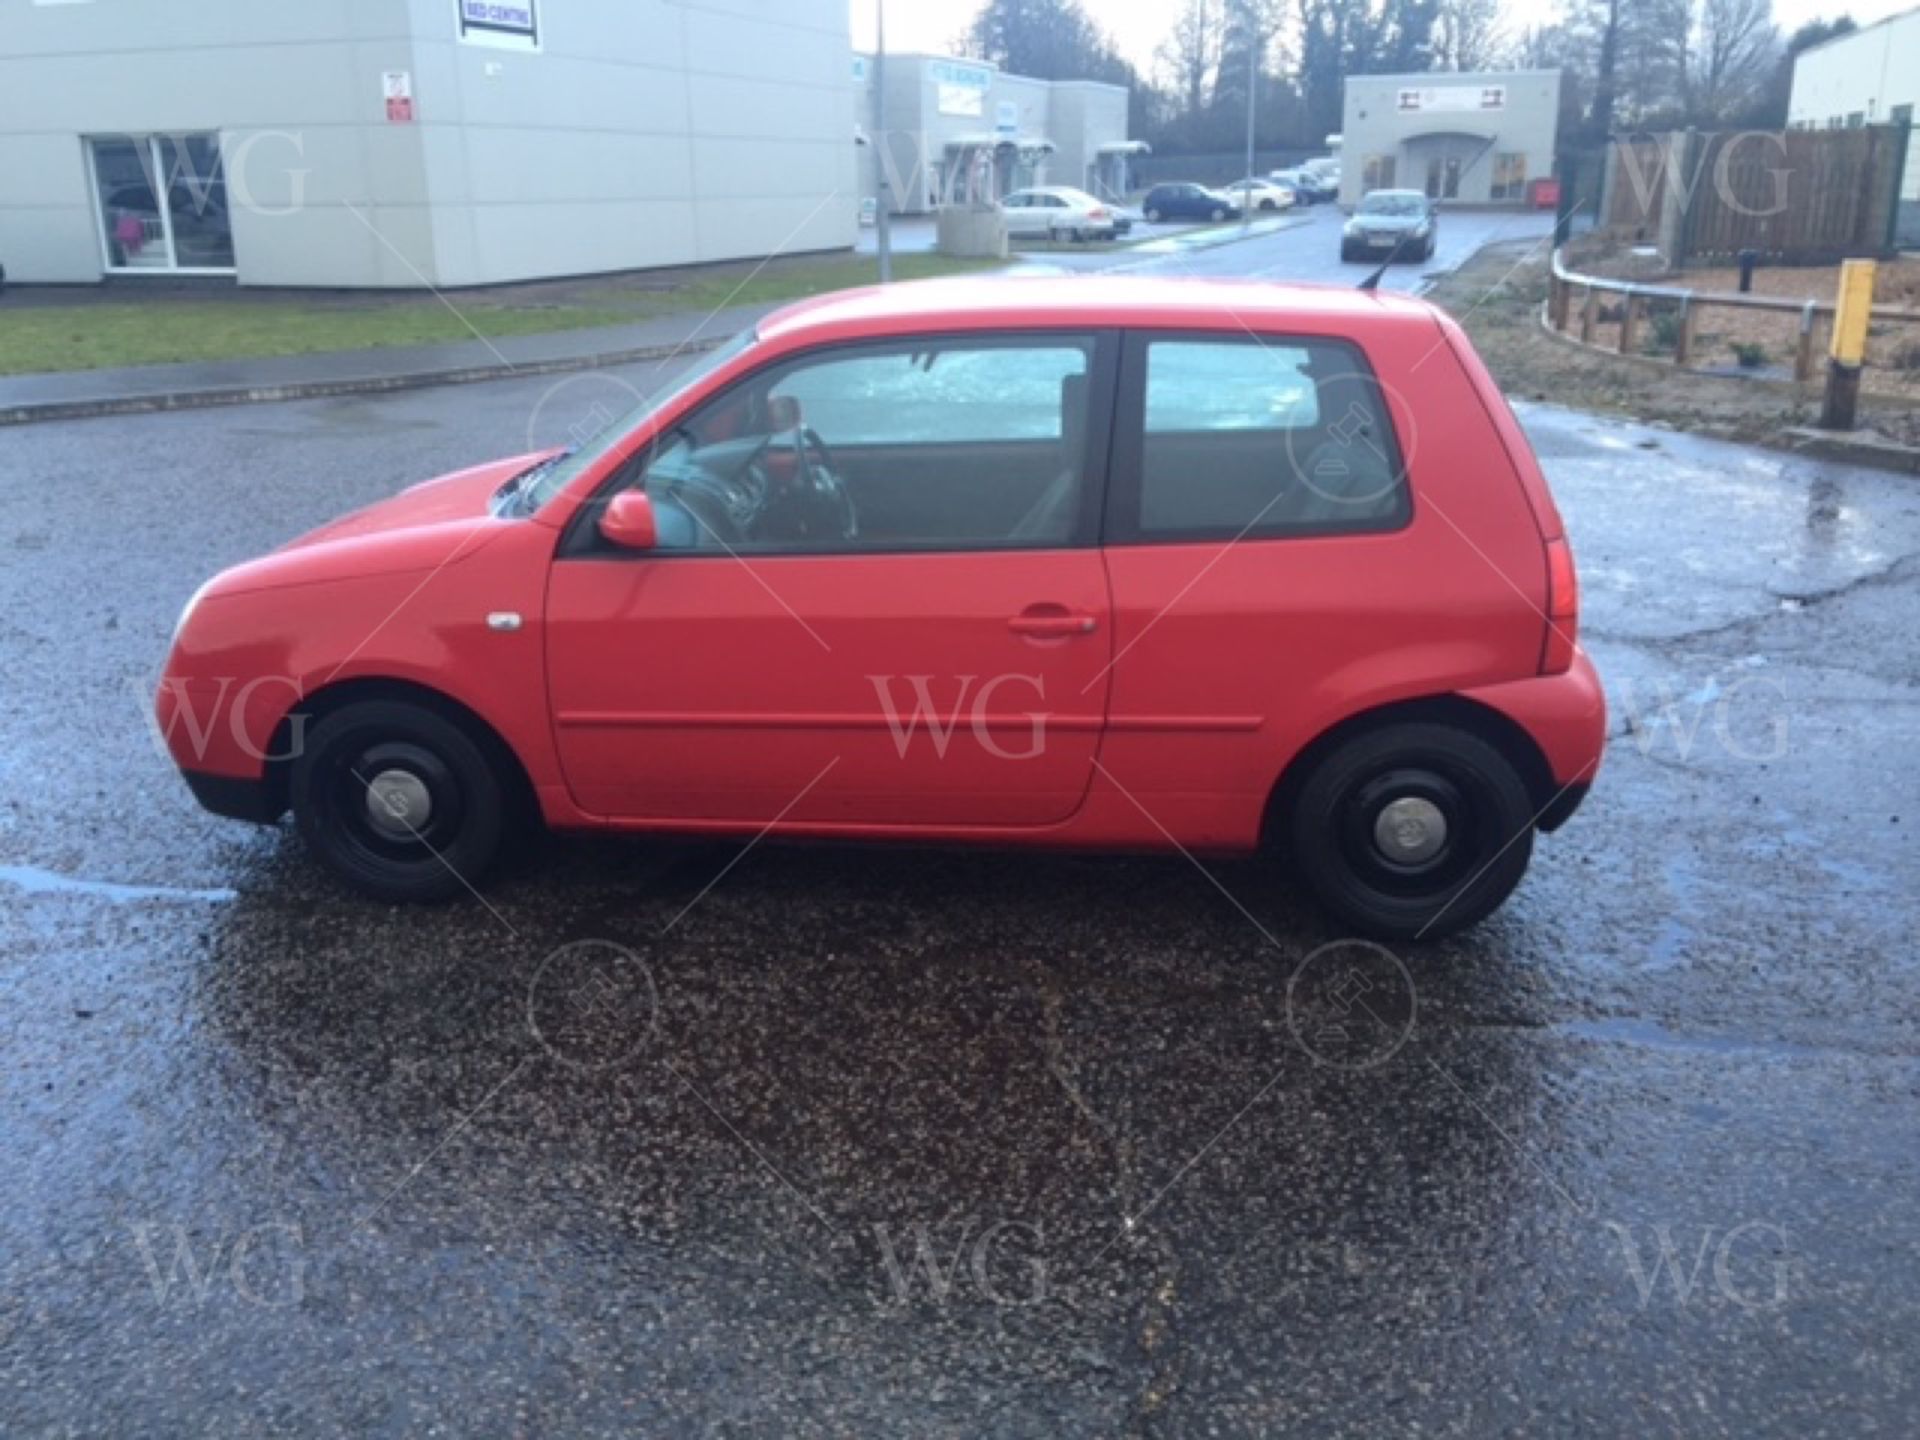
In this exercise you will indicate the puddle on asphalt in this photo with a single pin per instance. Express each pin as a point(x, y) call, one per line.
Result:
point(36, 881)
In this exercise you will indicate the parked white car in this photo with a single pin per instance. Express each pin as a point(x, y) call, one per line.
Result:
point(1260, 193)
point(1058, 212)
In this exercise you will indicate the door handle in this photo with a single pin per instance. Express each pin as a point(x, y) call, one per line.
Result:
point(1054, 624)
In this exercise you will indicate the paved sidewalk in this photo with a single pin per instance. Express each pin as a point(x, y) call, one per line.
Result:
point(143, 388)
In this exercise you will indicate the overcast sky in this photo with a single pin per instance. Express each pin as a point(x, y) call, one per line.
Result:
point(1138, 26)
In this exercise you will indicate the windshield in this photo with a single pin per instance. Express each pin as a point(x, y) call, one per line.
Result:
point(1391, 205)
point(557, 474)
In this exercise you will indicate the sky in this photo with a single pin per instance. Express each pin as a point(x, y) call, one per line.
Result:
point(1138, 26)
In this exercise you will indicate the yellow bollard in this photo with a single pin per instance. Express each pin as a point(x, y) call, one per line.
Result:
point(1852, 309)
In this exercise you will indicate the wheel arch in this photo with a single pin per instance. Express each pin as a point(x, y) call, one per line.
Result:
point(1483, 721)
point(332, 697)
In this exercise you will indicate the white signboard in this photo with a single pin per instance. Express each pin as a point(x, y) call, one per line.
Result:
point(397, 88)
point(503, 24)
point(1006, 117)
point(1455, 98)
point(960, 89)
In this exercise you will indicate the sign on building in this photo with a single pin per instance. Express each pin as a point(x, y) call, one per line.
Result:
point(504, 24)
point(960, 89)
point(1455, 98)
point(397, 87)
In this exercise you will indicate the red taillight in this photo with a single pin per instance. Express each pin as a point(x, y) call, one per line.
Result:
point(1563, 609)
point(1096, 214)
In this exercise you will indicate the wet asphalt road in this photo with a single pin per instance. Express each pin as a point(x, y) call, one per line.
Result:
point(900, 1142)
point(1305, 247)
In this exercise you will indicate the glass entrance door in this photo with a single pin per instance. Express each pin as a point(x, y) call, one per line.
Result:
point(162, 203)
point(1443, 177)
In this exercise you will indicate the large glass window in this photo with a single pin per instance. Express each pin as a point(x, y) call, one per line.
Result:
point(1509, 176)
point(163, 203)
point(939, 444)
point(1258, 439)
point(1376, 172)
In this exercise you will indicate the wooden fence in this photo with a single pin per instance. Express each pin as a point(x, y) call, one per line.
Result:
point(1637, 301)
point(1795, 196)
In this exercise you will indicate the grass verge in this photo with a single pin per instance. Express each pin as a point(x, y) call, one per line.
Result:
point(95, 330)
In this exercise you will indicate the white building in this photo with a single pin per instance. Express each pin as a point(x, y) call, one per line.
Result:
point(953, 128)
point(1870, 77)
point(1469, 138)
point(412, 142)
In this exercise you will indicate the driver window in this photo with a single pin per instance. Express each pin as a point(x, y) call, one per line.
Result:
point(933, 444)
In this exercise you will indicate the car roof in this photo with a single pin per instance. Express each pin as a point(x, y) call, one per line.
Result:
point(1397, 194)
point(995, 302)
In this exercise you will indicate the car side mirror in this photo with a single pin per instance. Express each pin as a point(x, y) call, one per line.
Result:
point(629, 522)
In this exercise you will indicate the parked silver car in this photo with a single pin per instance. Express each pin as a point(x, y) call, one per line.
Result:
point(1391, 224)
point(1058, 212)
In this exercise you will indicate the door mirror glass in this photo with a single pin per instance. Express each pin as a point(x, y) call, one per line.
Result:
point(629, 521)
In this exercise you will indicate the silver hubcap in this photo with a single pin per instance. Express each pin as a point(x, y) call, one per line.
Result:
point(1410, 830)
point(398, 803)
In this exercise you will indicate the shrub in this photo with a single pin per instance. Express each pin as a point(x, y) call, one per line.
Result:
point(1750, 354)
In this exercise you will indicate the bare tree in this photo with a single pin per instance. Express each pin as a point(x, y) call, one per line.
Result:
point(1190, 54)
point(1467, 34)
point(1734, 48)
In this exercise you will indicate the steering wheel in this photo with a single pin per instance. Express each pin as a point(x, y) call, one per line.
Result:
point(814, 501)
point(828, 490)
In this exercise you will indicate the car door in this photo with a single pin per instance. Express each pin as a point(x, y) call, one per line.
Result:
point(930, 650)
point(1020, 213)
point(1257, 488)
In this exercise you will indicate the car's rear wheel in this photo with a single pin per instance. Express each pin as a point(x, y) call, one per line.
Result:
point(398, 800)
point(1412, 831)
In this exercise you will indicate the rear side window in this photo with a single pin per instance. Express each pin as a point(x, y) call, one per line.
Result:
point(1254, 438)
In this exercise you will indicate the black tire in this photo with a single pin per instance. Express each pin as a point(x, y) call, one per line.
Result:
point(1335, 820)
point(1346, 253)
point(1153, 215)
point(396, 857)
point(1217, 215)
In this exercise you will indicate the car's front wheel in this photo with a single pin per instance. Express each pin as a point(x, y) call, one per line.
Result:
point(398, 800)
point(1216, 215)
point(1153, 215)
point(1412, 831)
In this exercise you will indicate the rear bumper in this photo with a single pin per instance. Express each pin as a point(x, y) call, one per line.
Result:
point(234, 797)
point(1566, 717)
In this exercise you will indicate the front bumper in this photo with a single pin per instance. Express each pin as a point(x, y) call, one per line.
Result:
point(236, 797)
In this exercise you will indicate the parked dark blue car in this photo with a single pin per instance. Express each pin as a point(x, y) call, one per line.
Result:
point(1188, 202)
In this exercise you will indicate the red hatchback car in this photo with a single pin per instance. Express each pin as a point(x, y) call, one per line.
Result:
point(1113, 564)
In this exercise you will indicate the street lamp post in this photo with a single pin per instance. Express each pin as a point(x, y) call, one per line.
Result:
point(1253, 81)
